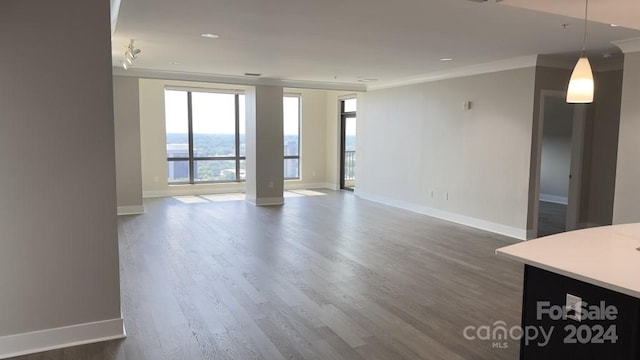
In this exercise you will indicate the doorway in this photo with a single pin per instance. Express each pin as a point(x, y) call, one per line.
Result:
point(348, 141)
point(561, 134)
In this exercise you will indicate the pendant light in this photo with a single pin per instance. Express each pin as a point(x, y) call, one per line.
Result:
point(581, 87)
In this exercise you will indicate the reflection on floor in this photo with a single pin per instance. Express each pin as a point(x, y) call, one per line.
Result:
point(199, 199)
point(552, 218)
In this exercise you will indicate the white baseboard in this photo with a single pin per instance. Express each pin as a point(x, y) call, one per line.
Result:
point(131, 210)
point(57, 338)
point(554, 199)
point(330, 186)
point(266, 201)
point(520, 234)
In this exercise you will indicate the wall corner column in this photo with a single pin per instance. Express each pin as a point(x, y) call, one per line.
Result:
point(265, 139)
point(626, 206)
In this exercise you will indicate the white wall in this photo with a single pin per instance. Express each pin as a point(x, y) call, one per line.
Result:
point(58, 236)
point(316, 121)
point(556, 150)
point(313, 162)
point(627, 193)
point(127, 136)
point(417, 141)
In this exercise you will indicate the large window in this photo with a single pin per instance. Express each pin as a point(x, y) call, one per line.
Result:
point(291, 118)
point(205, 136)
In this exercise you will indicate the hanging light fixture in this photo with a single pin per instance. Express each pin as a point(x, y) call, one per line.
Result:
point(581, 86)
point(130, 55)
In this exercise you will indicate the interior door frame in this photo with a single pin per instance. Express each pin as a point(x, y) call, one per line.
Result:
point(575, 176)
point(577, 152)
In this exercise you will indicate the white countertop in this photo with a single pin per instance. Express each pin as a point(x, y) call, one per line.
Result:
point(604, 256)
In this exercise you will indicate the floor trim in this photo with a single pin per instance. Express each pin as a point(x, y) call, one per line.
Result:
point(520, 234)
point(131, 210)
point(62, 337)
point(266, 201)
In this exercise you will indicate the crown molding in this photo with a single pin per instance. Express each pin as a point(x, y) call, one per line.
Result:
point(501, 65)
point(236, 80)
point(628, 45)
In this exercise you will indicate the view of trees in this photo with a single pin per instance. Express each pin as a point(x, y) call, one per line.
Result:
point(213, 145)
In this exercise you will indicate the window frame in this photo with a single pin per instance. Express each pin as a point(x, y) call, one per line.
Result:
point(191, 159)
point(299, 156)
point(344, 115)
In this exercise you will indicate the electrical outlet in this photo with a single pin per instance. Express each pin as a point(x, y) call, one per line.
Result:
point(271, 184)
point(574, 307)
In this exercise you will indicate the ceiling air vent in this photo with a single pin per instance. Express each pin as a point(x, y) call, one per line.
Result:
point(252, 74)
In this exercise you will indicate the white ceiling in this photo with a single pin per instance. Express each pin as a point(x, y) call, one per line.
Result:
point(619, 12)
point(348, 40)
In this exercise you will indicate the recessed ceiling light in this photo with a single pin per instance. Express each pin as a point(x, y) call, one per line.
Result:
point(173, 63)
point(614, 25)
point(210, 36)
point(446, 59)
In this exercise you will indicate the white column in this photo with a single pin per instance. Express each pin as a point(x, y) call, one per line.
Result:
point(126, 106)
point(265, 145)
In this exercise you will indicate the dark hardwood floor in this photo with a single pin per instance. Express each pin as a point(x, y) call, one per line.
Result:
point(323, 277)
point(552, 218)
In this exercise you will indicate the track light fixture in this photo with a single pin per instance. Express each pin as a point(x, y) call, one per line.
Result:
point(130, 55)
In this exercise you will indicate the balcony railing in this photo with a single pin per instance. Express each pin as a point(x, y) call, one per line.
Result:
point(349, 165)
